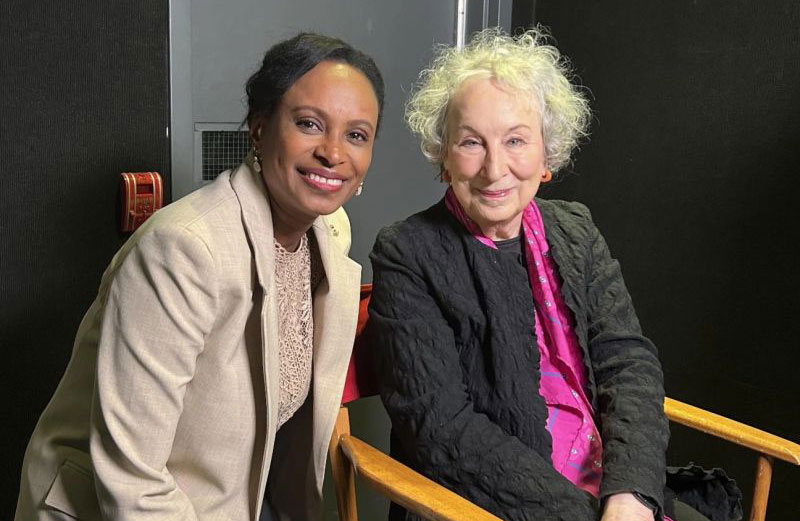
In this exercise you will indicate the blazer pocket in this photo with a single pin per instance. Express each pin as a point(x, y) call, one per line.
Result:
point(73, 493)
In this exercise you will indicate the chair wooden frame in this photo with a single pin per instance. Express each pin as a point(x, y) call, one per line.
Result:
point(350, 456)
point(767, 446)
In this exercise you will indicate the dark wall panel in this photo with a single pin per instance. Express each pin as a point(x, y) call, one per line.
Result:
point(692, 174)
point(84, 97)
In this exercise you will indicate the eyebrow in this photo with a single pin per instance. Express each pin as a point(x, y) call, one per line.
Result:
point(512, 129)
point(352, 122)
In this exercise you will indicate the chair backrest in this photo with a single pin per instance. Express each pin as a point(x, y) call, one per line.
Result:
point(360, 381)
point(388, 477)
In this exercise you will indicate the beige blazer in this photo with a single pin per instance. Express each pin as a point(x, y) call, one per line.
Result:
point(168, 407)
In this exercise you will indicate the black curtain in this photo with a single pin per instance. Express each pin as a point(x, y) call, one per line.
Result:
point(692, 173)
point(84, 97)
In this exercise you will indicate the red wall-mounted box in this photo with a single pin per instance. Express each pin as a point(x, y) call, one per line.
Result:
point(141, 194)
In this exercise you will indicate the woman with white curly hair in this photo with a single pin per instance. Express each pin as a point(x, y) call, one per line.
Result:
point(510, 356)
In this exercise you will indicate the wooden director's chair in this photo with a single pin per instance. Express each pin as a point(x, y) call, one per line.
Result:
point(350, 456)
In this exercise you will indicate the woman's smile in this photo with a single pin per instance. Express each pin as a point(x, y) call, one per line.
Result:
point(322, 179)
point(494, 195)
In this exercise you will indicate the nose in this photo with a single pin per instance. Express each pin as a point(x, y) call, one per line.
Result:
point(328, 151)
point(494, 163)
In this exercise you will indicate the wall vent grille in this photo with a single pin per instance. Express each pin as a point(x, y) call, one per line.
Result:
point(222, 150)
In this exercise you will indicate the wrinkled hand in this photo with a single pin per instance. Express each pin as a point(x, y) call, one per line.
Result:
point(625, 507)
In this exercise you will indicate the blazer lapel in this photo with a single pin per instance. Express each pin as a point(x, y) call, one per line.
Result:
point(257, 219)
point(335, 316)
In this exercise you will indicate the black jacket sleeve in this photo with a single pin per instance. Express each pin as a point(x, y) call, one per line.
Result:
point(629, 381)
point(433, 418)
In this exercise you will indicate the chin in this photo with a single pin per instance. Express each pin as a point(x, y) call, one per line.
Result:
point(325, 206)
point(498, 214)
point(326, 210)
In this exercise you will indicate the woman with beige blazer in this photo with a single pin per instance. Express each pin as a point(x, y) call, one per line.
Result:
point(205, 378)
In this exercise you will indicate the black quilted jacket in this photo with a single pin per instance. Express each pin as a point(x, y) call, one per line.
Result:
point(459, 369)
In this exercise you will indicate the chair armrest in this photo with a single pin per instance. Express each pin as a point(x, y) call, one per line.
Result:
point(408, 488)
point(731, 430)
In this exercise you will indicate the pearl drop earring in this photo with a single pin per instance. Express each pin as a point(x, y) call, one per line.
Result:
point(256, 160)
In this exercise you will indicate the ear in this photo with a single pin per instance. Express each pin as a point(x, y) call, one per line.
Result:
point(547, 175)
point(445, 174)
point(255, 129)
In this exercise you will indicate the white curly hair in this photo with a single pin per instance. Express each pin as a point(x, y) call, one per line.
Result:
point(525, 63)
